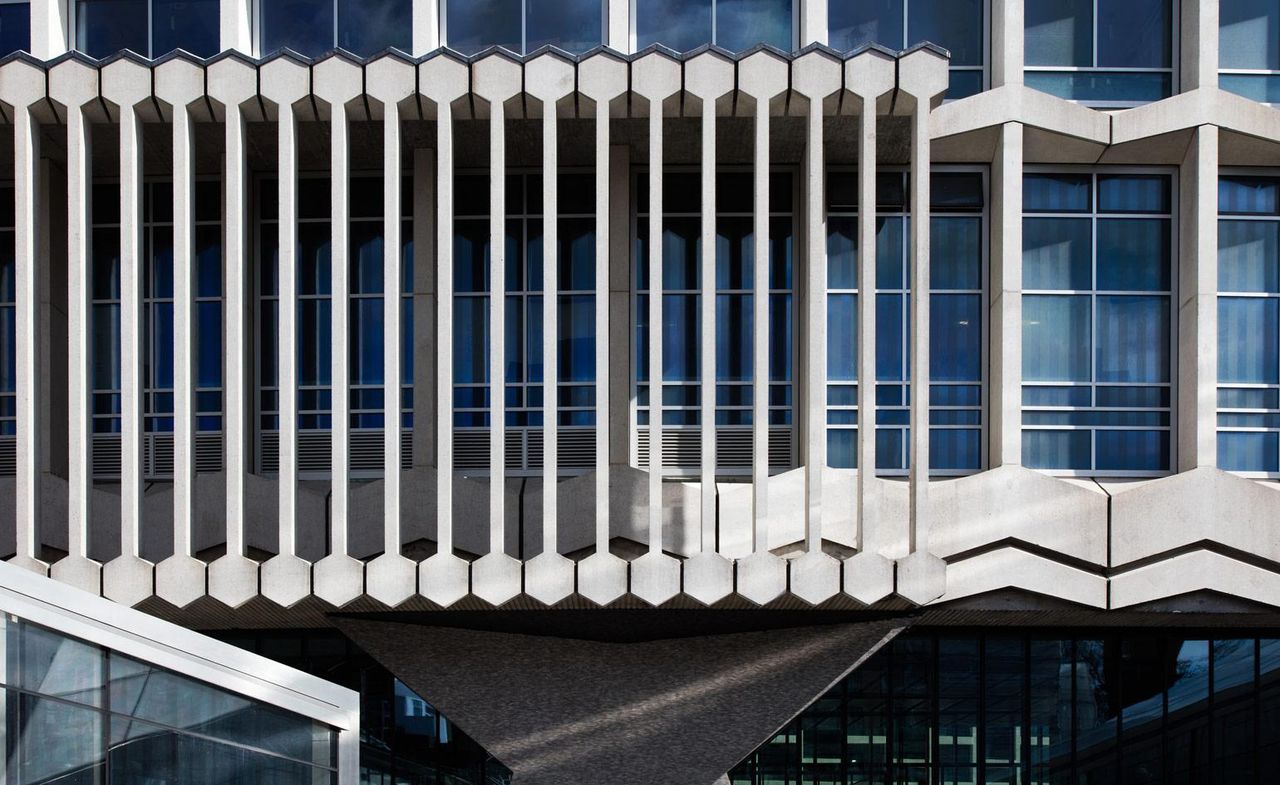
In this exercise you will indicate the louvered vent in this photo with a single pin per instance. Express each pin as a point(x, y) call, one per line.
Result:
point(682, 448)
point(8, 456)
point(269, 452)
point(366, 451)
point(157, 456)
point(315, 450)
point(106, 456)
point(470, 449)
point(208, 452)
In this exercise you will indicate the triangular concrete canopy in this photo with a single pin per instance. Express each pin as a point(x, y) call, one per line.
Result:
point(562, 711)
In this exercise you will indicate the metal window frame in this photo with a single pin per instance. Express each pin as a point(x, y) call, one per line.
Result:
point(984, 293)
point(795, 23)
point(442, 20)
point(638, 176)
point(1172, 294)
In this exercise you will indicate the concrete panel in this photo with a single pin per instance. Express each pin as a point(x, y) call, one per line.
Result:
point(1012, 568)
point(1195, 571)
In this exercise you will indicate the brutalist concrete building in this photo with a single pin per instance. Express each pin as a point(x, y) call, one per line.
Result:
point(961, 466)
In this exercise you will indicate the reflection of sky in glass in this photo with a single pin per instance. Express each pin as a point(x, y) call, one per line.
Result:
point(741, 24)
point(572, 25)
point(679, 24)
point(305, 26)
point(366, 27)
point(473, 25)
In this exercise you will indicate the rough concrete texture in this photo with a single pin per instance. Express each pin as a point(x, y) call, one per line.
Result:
point(559, 711)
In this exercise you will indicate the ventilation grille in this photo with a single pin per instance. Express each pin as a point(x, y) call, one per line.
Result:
point(315, 452)
point(157, 455)
point(8, 456)
point(577, 449)
point(682, 448)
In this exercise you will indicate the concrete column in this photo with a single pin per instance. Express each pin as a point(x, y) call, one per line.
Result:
point(868, 574)
point(286, 578)
point(391, 577)
point(1198, 45)
point(426, 27)
point(1197, 265)
point(496, 575)
point(50, 28)
point(602, 577)
point(339, 579)
point(1007, 36)
point(74, 84)
point(236, 26)
point(549, 576)
point(922, 77)
point(180, 579)
point(815, 576)
point(1006, 299)
point(424, 309)
point(618, 25)
point(127, 84)
point(233, 577)
point(655, 577)
point(708, 576)
point(22, 86)
point(762, 576)
point(443, 577)
point(813, 22)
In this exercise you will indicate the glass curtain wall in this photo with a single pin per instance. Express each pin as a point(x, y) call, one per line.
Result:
point(956, 25)
point(523, 26)
point(735, 25)
point(473, 289)
point(1249, 48)
point(1040, 708)
point(681, 333)
point(956, 359)
point(150, 28)
point(1101, 52)
point(80, 714)
point(158, 336)
point(15, 26)
point(1097, 283)
point(313, 353)
point(8, 330)
point(313, 27)
point(1249, 324)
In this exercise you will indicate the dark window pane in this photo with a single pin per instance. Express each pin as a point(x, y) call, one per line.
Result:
point(852, 23)
point(742, 24)
point(189, 25)
point(1135, 33)
point(1059, 32)
point(473, 25)
point(1056, 193)
point(366, 27)
point(104, 27)
point(955, 25)
point(305, 26)
point(1245, 195)
point(572, 25)
point(1249, 34)
point(1133, 193)
point(1134, 254)
point(679, 24)
point(1103, 86)
point(15, 28)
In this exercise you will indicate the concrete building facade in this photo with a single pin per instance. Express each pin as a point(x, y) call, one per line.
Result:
point(1025, 407)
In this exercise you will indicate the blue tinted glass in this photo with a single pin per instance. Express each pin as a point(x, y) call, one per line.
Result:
point(106, 347)
point(1248, 331)
point(852, 23)
point(1133, 254)
point(577, 255)
point(842, 337)
point(366, 257)
point(577, 348)
point(890, 247)
point(956, 253)
point(208, 261)
point(104, 27)
point(314, 342)
point(471, 256)
point(680, 250)
point(15, 28)
point(679, 24)
point(955, 25)
point(1248, 452)
point(1256, 87)
point(954, 449)
point(1056, 338)
point(1249, 34)
point(8, 351)
point(964, 83)
point(842, 448)
point(955, 342)
point(1132, 450)
point(190, 25)
point(1057, 396)
point(742, 24)
point(1248, 256)
point(1133, 194)
point(470, 340)
point(1248, 399)
point(366, 27)
point(1135, 33)
point(1056, 193)
point(780, 361)
point(305, 26)
point(1133, 339)
point(1059, 32)
point(1057, 253)
point(1129, 397)
point(473, 25)
point(680, 331)
point(1064, 450)
point(1244, 195)
point(209, 338)
point(891, 448)
point(572, 25)
point(842, 253)
point(734, 318)
point(1122, 87)
point(314, 276)
point(890, 351)
point(160, 324)
point(366, 341)
point(734, 254)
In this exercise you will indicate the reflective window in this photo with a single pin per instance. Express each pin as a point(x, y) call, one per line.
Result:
point(956, 331)
point(78, 713)
point(524, 389)
point(955, 25)
point(1101, 52)
point(313, 353)
point(158, 326)
point(15, 27)
point(736, 25)
point(150, 28)
point(1249, 48)
point(734, 328)
point(314, 27)
point(1096, 275)
point(524, 26)
point(1249, 324)
point(8, 325)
